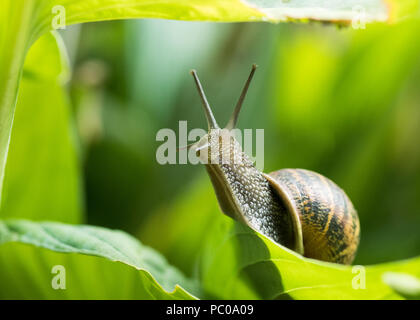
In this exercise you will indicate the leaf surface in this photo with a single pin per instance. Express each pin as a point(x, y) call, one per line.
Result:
point(130, 270)
point(42, 180)
point(238, 263)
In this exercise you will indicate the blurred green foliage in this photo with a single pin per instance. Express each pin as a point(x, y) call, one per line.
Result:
point(341, 102)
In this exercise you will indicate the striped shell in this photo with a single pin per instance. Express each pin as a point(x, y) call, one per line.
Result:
point(329, 227)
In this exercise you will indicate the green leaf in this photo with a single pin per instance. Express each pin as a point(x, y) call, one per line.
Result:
point(238, 263)
point(15, 27)
point(42, 178)
point(130, 270)
point(79, 11)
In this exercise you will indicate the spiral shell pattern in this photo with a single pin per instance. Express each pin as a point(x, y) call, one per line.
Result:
point(329, 223)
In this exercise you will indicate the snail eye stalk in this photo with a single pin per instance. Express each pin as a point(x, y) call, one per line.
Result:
point(211, 121)
point(234, 118)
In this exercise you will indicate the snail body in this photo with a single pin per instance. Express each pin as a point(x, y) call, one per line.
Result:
point(299, 209)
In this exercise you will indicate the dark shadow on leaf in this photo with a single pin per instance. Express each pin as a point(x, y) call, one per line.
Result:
point(257, 270)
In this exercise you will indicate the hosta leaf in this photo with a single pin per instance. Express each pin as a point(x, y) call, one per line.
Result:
point(238, 263)
point(130, 270)
point(42, 175)
point(79, 11)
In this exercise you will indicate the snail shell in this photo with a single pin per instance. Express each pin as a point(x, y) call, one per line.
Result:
point(326, 223)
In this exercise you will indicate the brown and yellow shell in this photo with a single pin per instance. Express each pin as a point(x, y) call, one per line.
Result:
point(329, 228)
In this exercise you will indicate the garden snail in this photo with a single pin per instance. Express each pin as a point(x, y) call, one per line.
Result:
point(297, 208)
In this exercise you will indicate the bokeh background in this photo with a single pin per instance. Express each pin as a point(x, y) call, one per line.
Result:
point(342, 102)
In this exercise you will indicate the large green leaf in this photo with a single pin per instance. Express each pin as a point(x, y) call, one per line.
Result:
point(23, 22)
point(79, 11)
point(15, 27)
point(130, 270)
point(42, 176)
point(237, 263)
point(241, 264)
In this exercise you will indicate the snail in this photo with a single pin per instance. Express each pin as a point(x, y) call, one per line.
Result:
point(297, 208)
